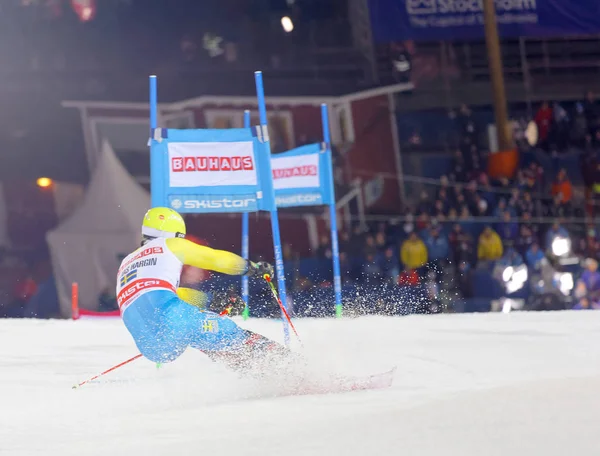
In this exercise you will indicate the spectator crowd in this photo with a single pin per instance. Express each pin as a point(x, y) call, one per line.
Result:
point(467, 221)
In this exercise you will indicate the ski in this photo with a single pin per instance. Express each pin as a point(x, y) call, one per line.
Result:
point(269, 362)
point(375, 381)
point(381, 380)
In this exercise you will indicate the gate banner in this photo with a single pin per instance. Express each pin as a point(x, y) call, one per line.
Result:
point(211, 170)
point(301, 176)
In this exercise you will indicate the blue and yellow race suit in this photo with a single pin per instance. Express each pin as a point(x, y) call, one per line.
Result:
point(161, 323)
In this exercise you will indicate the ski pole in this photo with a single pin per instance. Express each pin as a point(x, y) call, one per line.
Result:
point(107, 371)
point(267, 277)
point(225, 311)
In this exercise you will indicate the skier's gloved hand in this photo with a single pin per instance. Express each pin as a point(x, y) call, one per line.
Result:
point(259, 269)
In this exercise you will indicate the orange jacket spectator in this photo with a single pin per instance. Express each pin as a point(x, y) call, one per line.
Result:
point(562, 185)
point(409, 278)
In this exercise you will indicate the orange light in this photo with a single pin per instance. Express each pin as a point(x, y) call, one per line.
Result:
point(44, 182)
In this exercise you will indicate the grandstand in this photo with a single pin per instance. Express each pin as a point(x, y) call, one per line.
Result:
point(387, 153)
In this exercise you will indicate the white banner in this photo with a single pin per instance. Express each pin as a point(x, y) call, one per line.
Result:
point(300, 171)
point(211, 164)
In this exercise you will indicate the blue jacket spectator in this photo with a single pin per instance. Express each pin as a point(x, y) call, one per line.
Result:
point(512, 205)
point(511, 258)
point(371, 269)
point(486, 191)
point(389, 264)
point(586, 304)
point(587, 289)
point(534, 256)
point(437, 245)
point(590, 278)
point(526, 239)
point(526, 204)
point(500, 208)
point(508, 229)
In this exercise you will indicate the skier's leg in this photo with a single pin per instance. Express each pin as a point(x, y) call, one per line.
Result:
point(207, 331)
point(157, 337)
point(210, 332)
point(220, 338)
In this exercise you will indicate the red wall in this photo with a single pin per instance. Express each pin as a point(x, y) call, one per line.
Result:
point(373, 150)
point(306, 119)
point(223, 231)
point(307, 122)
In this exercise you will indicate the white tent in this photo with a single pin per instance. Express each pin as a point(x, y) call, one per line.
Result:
point(88, 246)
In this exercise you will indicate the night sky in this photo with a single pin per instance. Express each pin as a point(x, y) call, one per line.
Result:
point(49, 54)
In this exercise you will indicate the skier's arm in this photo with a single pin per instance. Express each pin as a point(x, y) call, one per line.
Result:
point(206, 258)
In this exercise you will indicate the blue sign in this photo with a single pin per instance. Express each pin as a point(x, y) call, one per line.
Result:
point(303, 176)
point(221, 170)
point(299, 199)
point(212, 203)
point(398, 20)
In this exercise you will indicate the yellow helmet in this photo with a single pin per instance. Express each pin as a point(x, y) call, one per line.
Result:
point(163, 222)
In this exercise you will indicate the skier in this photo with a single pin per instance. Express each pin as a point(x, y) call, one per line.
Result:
point(163, 325)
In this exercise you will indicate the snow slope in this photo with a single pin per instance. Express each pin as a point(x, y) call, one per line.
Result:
point(482, 384)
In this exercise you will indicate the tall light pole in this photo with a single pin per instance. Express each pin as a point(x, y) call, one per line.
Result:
point(505, 141)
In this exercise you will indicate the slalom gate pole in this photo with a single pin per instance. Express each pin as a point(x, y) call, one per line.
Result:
point(155, 157)
point(226, 311)
point(262, 112)
point(75, 301)
point(335, 251)
point(245, 241)
point(107, 371)
point(267, 277)
point(153, 103)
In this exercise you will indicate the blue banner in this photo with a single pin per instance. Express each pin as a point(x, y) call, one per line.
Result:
point(398, 20)
point(219, 170)
point(302, 176)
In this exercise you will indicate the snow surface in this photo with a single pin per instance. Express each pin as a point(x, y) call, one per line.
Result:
point(471, 384)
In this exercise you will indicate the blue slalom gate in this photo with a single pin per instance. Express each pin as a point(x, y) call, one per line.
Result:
point(304, 177)
point(216, 171)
